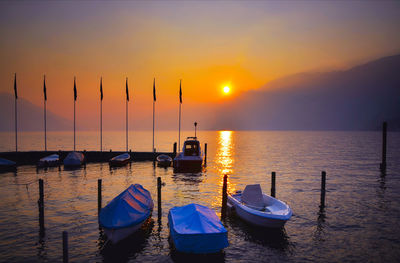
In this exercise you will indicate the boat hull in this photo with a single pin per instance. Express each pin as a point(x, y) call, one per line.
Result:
point(182, 165)
point(256, 217)
point(49, 161)
point(116, 235)
point(120, 160)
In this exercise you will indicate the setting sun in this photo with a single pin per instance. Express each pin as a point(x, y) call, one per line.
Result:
point(226, 89)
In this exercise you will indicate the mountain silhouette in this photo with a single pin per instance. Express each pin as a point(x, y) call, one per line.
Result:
point(359, 98)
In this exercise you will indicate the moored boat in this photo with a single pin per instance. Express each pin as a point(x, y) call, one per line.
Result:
point(191, 158)
point(7, 165)
point(51, 160)
point(120, 160)
point(74, 159)
point(259, 209)
point(126, 213)
point(164, 160)
point(196, 229)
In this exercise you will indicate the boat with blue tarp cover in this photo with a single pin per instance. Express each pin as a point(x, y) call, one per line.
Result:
point(7, 165)
point(51, 160)
point(126, 213)
point(196, 229)
point(74, 159)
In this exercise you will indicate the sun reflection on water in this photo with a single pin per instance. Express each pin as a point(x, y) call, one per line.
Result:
point(224, 161)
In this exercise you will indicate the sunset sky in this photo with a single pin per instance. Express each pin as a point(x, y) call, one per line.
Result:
point(209, 45)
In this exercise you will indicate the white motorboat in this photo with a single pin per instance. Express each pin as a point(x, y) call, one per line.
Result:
point(259, 209)
point(191, 158)
point(164, 160)
point(51, 160)
point(74, 159)
point(126, 213)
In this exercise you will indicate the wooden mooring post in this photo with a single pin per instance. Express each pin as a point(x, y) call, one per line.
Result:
point(41, 206)
point(273, 181)
point(99, 195)
point(174, 151)
point(224, 197)
point(205, 154)
point(159, 197)
point(65, 246)
point(384, 136)
point(323, 186)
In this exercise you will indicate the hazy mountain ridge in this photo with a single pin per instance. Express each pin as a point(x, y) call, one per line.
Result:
point(356, 99)
point(30, 116)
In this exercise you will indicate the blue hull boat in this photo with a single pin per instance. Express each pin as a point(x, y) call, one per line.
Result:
point(126, 213)
point(74, 159)
point(196, 229)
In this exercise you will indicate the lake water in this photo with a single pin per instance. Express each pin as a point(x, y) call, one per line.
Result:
point(359, 224)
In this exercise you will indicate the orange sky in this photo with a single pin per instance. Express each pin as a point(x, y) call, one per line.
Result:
point(207, 45)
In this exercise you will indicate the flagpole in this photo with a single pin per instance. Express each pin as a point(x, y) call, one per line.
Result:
point(154, 100)
point(101, 114)
point(126, 111)
point(180, 104)
point(44, 102)
point(74, 109)
point(16, 125)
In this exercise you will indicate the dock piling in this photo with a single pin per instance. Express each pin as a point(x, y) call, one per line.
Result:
point(99, 195)
point(174, 151)
point(205, 154)
point(65, 246)
point(159, 197)
point(384, 136)
point(224, 197)
point(41, 206)
point(323, 185)
point(273, 182)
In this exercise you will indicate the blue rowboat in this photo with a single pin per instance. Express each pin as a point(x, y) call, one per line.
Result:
point(7, 165)
point(164, 160)
point(126, 213)
point(74, 159)
point(196, 229)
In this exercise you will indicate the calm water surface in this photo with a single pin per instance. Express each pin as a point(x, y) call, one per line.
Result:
point(360, 222)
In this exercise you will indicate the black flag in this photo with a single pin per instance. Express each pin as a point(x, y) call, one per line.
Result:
point(15, 86)
point(154, 89)
point(101, 88)
point(180, 91)
point(44, 88)
point(127, 91)
point(75, 93)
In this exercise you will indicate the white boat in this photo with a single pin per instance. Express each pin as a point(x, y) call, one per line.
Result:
point(259, 209)
point(7, 165)
point(120, 160)
point(51, 160)
point(191, 158)
point(164, 160)
point(74, 159)
point(126, 213)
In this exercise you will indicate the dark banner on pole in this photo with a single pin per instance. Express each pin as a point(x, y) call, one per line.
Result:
point(15, 86)
point(75, 93)
point(44, 88)
point(101, 88)
point(127, 91)
point(154, 89)
point(180, 91)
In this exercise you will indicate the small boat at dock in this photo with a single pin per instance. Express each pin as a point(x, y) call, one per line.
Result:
point(7, 165)
point(74, 159)
point(164, 160)
point(191, 158)
point(120, 160)
point(126, 213)
point(51, 160)
point(259, 209)
point(196, 229)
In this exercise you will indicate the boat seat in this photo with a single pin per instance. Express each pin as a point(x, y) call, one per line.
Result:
point(252, 197)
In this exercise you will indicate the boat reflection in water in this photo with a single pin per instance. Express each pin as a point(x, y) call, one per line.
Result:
point(126, 249)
